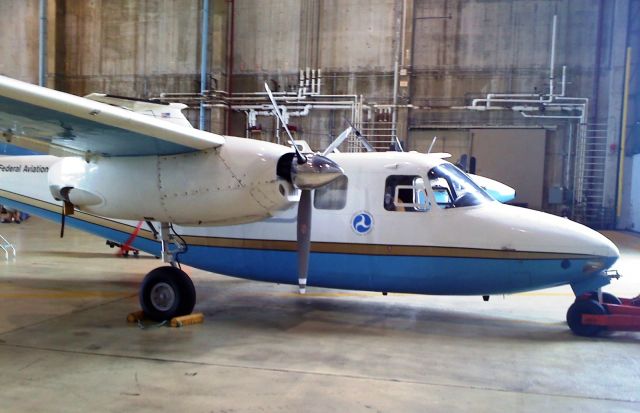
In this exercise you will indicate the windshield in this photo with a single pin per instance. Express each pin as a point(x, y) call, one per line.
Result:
point(453, 188)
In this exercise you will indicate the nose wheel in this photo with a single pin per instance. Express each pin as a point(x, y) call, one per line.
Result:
point(167, 292)
point(593, 313)
point(579, 308)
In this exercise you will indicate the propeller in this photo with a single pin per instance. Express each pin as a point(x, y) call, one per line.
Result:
point(62, 222)
point(305, 172)
point(362, 139)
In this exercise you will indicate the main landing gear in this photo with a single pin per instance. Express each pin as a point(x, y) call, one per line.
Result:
point(596, 312)
point(167, 291)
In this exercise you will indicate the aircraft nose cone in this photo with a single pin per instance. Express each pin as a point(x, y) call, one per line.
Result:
point(317, 171)
point(537, 231)
point(609, 248)
point(591, 241)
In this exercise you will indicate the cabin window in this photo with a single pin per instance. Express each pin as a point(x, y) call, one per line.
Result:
point(333, 195)
point(406, 193)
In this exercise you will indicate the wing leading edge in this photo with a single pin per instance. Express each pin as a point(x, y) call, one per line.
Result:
point(50, 121)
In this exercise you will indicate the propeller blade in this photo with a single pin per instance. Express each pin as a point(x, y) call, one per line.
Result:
point(338, 141)
point(62, 221)
point(306, 173)
point(301, 158)
point(360, 137)
point(304, 238)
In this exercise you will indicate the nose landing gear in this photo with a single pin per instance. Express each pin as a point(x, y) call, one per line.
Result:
point(593, 313)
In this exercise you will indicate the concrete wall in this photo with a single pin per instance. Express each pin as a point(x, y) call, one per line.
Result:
point(491, 46)
point(19, 39)
point(134, 48)
point(451, 50)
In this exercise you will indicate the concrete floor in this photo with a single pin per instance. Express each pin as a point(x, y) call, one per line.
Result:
point(65, 345)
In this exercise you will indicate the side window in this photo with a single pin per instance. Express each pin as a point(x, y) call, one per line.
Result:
point(332, 196)
point(405, 193)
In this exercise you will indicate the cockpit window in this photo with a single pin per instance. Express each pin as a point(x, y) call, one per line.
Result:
point(405, 193)
point(453, 188)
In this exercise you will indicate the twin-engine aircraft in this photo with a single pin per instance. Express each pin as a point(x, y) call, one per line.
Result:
point(385, 221)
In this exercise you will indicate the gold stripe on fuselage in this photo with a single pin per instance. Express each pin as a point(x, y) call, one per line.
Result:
point(320, 247)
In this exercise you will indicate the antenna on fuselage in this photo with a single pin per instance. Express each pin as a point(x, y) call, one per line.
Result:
point(433, 142)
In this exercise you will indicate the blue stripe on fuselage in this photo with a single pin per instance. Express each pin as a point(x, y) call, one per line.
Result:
point(405, 274)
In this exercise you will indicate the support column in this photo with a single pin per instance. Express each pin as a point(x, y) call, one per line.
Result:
point(615, 88)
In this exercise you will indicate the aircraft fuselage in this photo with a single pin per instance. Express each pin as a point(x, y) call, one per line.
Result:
point(420, 244)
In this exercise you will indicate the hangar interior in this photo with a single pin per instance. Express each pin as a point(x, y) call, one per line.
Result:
point(539, 82)
point(543, 95)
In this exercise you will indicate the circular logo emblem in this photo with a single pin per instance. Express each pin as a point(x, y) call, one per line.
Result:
point(362, 223)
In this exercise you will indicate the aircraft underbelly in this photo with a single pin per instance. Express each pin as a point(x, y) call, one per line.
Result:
point(421, 275)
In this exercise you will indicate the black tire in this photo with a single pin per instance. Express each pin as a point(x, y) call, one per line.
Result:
point(574, 317)
point(167, 292)
point(607, 298)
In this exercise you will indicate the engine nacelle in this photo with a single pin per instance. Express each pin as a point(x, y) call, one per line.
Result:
point(187, 189)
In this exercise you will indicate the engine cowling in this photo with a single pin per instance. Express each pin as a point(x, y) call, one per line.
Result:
point(189, 189)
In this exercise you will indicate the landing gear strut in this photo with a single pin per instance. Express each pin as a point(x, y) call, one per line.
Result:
point(167, 292)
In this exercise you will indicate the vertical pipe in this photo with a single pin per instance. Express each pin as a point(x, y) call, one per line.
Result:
point(623, 131)
point(231, 11)
point(567, 171)
point(396, 64)
point(402, 30)
point(394, 113)
point(204, 57)
point(553, 54)
point(600, 39)
point(42, 47)
point(313, 81)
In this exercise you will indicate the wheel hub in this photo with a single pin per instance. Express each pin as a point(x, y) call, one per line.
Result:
point(162, 296)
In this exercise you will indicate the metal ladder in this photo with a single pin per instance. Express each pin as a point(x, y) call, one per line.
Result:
point(6, 246)
point(591, 153)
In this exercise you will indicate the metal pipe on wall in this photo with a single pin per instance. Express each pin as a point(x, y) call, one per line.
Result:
point(230, 34)
point(553, 54)
point(204, 57)
point(42, 47)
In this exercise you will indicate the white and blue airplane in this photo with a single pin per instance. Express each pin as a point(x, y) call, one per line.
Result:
point(383, 221)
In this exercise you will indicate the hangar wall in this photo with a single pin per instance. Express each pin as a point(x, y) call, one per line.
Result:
point(447, 53)
point(19, 40)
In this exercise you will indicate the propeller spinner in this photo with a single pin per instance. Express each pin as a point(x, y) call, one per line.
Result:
point(306, 172)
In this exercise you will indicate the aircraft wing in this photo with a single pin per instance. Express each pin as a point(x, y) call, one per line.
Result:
point(50, 121)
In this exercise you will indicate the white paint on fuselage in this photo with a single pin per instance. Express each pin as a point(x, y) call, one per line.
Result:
point(488, 226)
